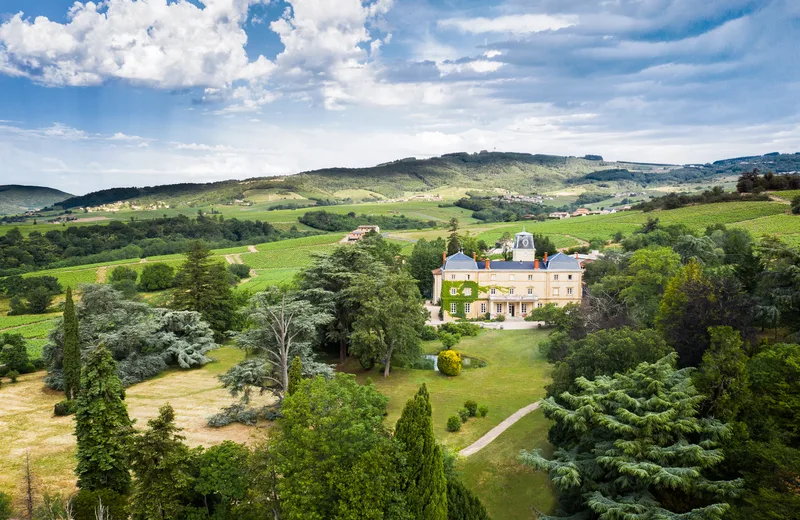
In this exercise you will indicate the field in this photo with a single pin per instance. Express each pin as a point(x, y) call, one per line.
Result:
point(28, 425)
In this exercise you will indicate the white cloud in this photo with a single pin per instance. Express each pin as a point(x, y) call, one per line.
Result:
point(514, 24)
point(149, 42)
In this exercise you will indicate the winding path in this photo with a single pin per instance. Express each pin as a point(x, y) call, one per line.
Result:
point(495, 432)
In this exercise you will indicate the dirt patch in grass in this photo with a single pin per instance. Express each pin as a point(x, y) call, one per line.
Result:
point(27, 422)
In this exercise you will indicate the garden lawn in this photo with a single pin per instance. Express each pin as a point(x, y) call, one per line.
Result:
point(514, 377)
point(509, 489)
point(27, 423)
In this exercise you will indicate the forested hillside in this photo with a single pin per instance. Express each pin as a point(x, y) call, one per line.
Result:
point(19, 199)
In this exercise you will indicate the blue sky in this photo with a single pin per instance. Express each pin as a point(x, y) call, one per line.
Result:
point(139, 92)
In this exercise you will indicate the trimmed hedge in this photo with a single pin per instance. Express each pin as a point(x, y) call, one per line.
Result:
point(453, 423)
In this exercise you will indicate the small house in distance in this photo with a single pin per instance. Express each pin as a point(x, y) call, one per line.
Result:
point(559, 214)
point(469, 288)
point(581, 212)
point(359, 233)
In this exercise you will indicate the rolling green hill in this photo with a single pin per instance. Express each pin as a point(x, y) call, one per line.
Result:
point(19, 199)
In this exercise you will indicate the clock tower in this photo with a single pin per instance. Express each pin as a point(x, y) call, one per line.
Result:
point(524, 250)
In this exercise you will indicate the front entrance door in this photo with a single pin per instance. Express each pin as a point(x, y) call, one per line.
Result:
point(511, 307)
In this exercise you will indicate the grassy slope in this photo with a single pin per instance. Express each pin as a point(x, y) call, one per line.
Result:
point(16, 199)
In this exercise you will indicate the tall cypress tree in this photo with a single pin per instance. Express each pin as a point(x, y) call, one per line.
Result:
point(102, 426)
point(425, 487)
point(72, 349)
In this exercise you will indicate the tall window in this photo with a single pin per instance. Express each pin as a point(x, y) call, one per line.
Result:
point(569, 277)
point(499, 308)
point(555, 277)
point(453, 291)
point(483, 308)
point(467, 291)
point(467, 308)
point(492, 291)
point(511, 291)
point(555, 291)
point(530, 277)
point(452, 277)
point(569, 291)
point(524, 308)
point(494, 277)
point(453, 308)
point(530, 290)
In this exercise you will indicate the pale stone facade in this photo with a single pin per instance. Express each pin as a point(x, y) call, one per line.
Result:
point(470, 288)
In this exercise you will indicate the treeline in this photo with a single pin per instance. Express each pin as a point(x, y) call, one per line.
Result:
point(215, 192)
point(679, 200)
point(76, 245)
point(492, 209)
point(753, 182)
point(674, 388)
point(678, 175)
point(326, 221)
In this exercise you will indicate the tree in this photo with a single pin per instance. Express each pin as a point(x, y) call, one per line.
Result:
point(453, 240)
point(426, 257)
point(694, 301)
point(156, 277)
point(39, 300)
point(778, 285)
point(463, 504)
point(14, 354)
point(722, 375)
point(295, 375)
point(284, 327)
point(329, 282)
point(633, 447)
point(222, 478)
point(202, 286)
point(161, 463)
point(335, 456)
point(389, 321)
point(71, 364)
point(102, 426)
point(123, 273)
point(425, 486)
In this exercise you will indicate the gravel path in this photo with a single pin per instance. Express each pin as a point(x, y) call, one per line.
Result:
point(497, 430)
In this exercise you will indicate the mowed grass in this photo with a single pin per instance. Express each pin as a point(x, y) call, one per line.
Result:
point(509, 489)
point(514, 377)
point(27, 423)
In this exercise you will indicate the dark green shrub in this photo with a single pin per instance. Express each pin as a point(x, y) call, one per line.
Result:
point(501, 317)
point(448, 339)
point(86, 502)
point(483, 410)
point(464, 414)
point(461, 328)
point(157, 277)
point(472, 406)
point(64, 408)
point(13, 375)
point(240, 271)
point(453, 423)
point(449, 362)
point(428, 333)
point(463, 504)
point(5, 507)
point(121, 273)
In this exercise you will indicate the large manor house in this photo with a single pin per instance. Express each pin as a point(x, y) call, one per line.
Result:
point(469, 288)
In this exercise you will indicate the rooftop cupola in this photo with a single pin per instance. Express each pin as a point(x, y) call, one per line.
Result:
point(524, 248)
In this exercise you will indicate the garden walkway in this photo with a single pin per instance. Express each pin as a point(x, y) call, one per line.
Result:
point(495, 432)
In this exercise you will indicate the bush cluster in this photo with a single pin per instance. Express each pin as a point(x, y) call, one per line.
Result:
point(64, 408)
point(461, 328)
point(428, 333)
point(470, 409)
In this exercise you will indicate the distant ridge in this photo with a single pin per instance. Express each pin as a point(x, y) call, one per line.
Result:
point(15, 198)
point(521, 172)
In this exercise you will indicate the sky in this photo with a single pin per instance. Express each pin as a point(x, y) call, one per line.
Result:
point(140, 92)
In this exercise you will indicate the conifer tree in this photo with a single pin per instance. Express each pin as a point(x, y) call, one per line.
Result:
point(160, 461)
point(634, 448)
point(295, 375)
point(202, 285)
point(425, 486)
point(72, 349)
point(102, 426)
point(453, 240)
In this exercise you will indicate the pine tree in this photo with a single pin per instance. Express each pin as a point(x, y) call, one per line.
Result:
point(453, 240)
point(425, 487)
point(463, 504)
point(102, 426)
point(72, 349)
point(202, 285)
point(160, 461)
point(634, 448)
point(295, 375)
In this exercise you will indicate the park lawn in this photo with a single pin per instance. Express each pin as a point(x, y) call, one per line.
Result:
point(514, 377)
point(509, 489)
point(27, 422)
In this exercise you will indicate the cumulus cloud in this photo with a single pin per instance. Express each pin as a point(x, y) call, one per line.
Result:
point(148, 42)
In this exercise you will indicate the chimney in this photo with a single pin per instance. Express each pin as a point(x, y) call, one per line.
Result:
point(576, 255)
point(444, 257)
point(536, 264)
point(488, 263)
point(475, 256)
point(545, 257)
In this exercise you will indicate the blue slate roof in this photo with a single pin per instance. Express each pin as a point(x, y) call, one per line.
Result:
point(559, 261)
point(460, 262)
